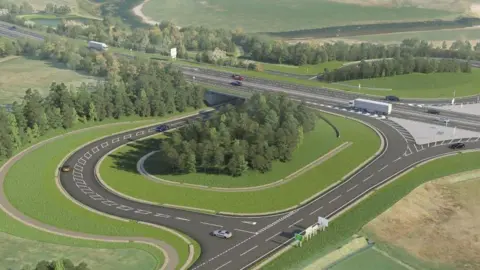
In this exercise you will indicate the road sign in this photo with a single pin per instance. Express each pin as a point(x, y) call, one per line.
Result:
point(173, 53)
point(298, 237)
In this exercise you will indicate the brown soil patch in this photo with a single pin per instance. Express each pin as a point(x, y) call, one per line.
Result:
point(438, 222)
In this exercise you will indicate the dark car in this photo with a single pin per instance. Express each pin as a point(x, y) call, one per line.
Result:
point(236, 83)
point(392, 98)
point(12, 28)
point(161, 128)
point(457, 146)
point(433, 111)
point(238, 77)
point(66, 168)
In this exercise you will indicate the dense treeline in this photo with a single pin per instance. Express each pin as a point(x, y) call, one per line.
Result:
point(392, 67)
point(131, 88)
point(64, 264)
point(250, 136)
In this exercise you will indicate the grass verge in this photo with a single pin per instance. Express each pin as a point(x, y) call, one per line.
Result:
point(368, 259)
point(365, 144)
point(40, 199)
point(354, 219)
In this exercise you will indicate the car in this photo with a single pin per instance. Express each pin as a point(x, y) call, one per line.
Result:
point(66, 168)
point(222, 234)
point(392, 98)
point(161, 128)
point(457, 146)
point(12, 28)
point(444, 120)
point(238, 77)
point(236, 83)
point(433, 111)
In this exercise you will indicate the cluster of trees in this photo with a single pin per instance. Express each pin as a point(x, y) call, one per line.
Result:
point(59, 10)
point(250, 136)
point(131, 88)
point(392, 67)
point(16, 8)
point(64, 264)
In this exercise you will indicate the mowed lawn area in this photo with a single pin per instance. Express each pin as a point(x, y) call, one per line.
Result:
point(352, 221)
point(17, 74)
point(276, 16)
point(315, 144)
point(365, 143)
point(30, 187)
point(367, 260)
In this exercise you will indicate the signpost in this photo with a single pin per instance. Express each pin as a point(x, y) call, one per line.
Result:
point(299, 239)
point(321, 224)
point(173, 53)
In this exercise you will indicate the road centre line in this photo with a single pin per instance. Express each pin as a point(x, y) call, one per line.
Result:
point(366, 179)
point(273, 236)
point(244, 231)
point(248, 250)
point(334, 199)
point(381, 169)
point(318, 209)
point(225, 264)
point(397, 159)
point(161, 215)
point(352, 188)
point(296, 222)
point(180, 218)
point(210, 224)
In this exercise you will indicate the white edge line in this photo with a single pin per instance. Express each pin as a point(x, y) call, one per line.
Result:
point(215, 225)
point(223, 265)
point(248, 250)
point(273, 236)
point(318, 209)
point(245, 231)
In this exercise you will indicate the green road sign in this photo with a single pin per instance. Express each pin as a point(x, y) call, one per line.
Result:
point(298, 237)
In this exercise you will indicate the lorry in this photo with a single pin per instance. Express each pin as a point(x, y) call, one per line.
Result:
point(97, 45)
point(372, 106)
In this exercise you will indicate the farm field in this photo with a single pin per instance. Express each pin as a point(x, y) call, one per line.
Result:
point(129, 181)
point(41, 199)
point(251, 16)
point(19, 74)
point(352, 221)
point(315, 144)
point(368, 259)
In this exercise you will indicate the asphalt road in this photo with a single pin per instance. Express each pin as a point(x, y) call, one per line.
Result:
point(250, 242)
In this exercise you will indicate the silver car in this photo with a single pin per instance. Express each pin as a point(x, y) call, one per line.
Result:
point(222, 234)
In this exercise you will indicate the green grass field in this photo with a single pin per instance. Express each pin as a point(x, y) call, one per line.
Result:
point(354, 219)
point(303, 70)
point(365, 144)
point(40, 198)
point(282, 15)
point(19, 74)
point(315, 144)
point(367, 260)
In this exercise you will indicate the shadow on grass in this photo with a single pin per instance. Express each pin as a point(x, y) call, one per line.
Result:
point(127, 161)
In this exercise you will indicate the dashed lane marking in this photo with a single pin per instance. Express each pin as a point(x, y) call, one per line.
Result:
point(77, 174)
point(223, 265)
point(161, 215)
point(273, 236)
point(127, 136)
point(139, 133)
point(87, 191)
point(79, 181)
point(366, 179)
point(238, 230)
point(180, 218)
point(151, 129)
point(295, 223)
point(103, 145)
point(78, 167)
point(318, 209)
point(125, 208)
point(383, 168)
point(334, 199)
point(211, 224)
point(109, 203)
point(248, 250)
point(143, 212)
point(96, 197)
point(95, 149)
point(115, 140)
point(250, 222)
point(87, 155)
point(352, 188)
point(397, 159)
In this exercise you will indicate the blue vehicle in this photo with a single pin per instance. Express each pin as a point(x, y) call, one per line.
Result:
point(236, 83)
point(161, 128)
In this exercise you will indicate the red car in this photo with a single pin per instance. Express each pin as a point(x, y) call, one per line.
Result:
point(238, 77)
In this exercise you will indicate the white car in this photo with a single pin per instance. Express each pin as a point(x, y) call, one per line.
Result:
point(222, 234)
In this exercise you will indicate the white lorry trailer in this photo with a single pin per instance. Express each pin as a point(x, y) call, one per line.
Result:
point(97, 45)
point(372, 106)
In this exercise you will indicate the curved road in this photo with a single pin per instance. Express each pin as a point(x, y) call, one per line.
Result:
point(251, 242)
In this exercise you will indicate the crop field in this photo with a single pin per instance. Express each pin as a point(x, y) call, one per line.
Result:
point(125, 179)
point(315, 144)
point(41, 199)
point(275, 16)
point(368, 259)
point(19, 74)
point(358, 216)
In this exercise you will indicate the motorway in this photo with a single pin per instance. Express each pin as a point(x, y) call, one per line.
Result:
point(258, 236)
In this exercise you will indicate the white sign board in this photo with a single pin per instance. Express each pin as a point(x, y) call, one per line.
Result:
point(173, 53)
point(322, 222)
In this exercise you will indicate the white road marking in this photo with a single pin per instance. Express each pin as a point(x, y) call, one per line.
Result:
point(334, 199)
point(78, 167)
point(96, 197)
point(381, 169)
point(109, 203)
point(95, 149)
point(79, 181)
point(82, 161)
point(143, 212)
point(225, 264)
point(139, 133)
point(273, 236)
point(127, 136)
point(103, 145)
point(352, 188)
point(318, 209)
point(161, 215)
point(115, 140)
point(87, 155)
point(180, 218)
point(397, 159)
point(366, 179)
point(244, 231)
point(210, 224)
point(151, 129)
point(77, 174)
point(87, 191)
point(249, 222)
point(125, 208)
point(81, 186)
point(296, 222)
point(248, 250)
